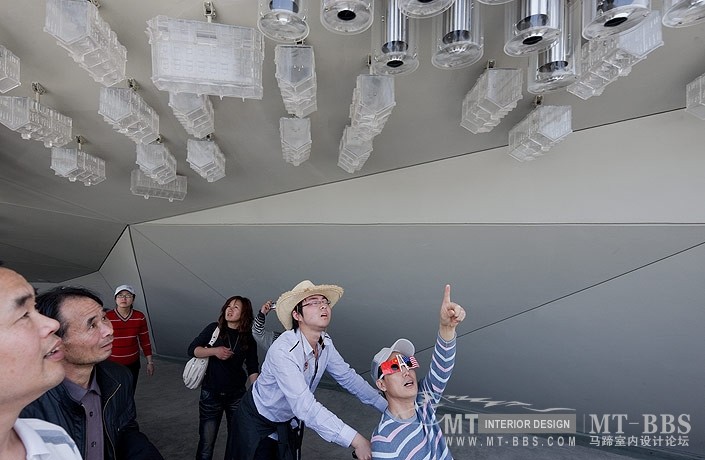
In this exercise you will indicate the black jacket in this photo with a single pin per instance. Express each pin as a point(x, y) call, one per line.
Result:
point(122, 438)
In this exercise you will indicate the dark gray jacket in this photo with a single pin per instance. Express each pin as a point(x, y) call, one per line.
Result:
point(123, 439)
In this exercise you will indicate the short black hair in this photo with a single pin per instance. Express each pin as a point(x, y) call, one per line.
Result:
point(49, 303)
point(300, 309)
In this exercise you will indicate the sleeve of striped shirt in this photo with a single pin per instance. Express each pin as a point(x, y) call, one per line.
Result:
point(431, 388)
point(263, 338)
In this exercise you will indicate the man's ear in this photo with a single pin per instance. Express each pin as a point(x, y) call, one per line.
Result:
point(381, 385)
point(295, 314)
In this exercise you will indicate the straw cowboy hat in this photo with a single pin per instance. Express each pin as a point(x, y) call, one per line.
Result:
point(287, 301)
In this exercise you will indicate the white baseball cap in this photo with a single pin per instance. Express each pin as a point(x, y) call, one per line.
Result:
point(124, 287)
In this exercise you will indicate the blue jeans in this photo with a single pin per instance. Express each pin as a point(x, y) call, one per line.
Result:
point(210, 409)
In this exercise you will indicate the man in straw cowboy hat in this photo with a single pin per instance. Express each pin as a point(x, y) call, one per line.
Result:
point(282, 398)
point(408, 428)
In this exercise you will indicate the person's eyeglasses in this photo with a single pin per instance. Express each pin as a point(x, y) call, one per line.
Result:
point(396, 363)
point(316, 303)
point(124, 296)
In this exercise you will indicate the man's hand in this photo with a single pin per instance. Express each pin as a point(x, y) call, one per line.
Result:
point(363, 450)
point(222, 353)
point(266, 307)
point(452, 314)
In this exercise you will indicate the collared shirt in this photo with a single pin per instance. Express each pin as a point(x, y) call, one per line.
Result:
point(45, 441)
point(89, 398)
point(290, 375)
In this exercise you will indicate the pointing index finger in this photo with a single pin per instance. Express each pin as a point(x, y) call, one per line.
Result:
point(446, 294)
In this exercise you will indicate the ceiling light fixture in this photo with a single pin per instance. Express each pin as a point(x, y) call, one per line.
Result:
point(531, 25)
point(604, 60)
point(129, 114)
point(543, 128)
point(347, 17)
point(34, 120)
point(204, 157)
point(206, 58)
point(683, 13)
point(458, 36)
point(283, 20)
point(295, 134)
point(78, 28)
point(424, 8)
point(9, 70)
point(75, 164)
point(156, 162)
point(394, 38)
point(194, 112)
point(695, 97)
point(296, 76)
point(495, 93)
point(602, 18)
point(557, 67)
point(142, 185)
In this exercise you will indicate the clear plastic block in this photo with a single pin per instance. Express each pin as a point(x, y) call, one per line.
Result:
point(194, 112)
point(496, 93)
point(353, 150)
point(544, 127)
point(695, 97)
point(9, 70)
point(296, 142)
point(156, 162)
point(129, 114)
point(206, 159)
point(142, 185)
point(77, 165)
point(206, 58)
point(35, 121)
point(77, 27)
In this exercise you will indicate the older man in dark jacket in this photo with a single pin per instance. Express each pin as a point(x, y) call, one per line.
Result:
point(95, 402)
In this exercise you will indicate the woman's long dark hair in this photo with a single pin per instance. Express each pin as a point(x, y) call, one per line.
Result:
point(244, 328)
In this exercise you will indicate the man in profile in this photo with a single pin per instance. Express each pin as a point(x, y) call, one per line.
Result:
point(30, 359)
point(95, 402)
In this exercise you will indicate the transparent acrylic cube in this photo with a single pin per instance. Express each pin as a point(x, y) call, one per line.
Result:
point(206, 58)
point(74, 165)
point(142, 185)
point(206, 159)
point(156, 162)
point(129, 114)
point(9, 70)
point(296, 142)
point(544, 127)
point(695, 97)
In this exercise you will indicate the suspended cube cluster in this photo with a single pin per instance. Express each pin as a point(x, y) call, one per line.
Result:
point(143, 185)
point(75, 164)
point(206, 58)
point(296, 76)
point(206, 159)
point(354, 150)
point(695, 97)
point(495, 94)
point(295, 136)
point(156, 162)
point(543, 128)
point(372, 103)
point(79, 29)
point(194, 112)
point(605, 60)
point(129, 114)
point(9, 70)
point(35, 121)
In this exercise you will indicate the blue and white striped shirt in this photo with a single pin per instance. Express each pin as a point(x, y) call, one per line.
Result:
point(45, 441)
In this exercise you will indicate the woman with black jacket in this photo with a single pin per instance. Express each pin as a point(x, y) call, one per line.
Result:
point(233, 361)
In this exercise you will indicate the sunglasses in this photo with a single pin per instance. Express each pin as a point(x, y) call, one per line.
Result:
point(396, 363)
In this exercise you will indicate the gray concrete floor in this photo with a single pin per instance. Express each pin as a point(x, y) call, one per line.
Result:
point(168, 413)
